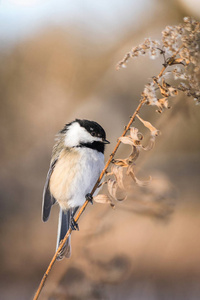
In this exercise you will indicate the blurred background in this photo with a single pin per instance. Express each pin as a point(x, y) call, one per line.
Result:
point(57, 63)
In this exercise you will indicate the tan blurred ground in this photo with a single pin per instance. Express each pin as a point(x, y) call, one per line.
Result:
point(148, 247)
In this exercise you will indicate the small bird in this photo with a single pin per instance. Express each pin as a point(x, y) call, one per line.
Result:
point(76, 163)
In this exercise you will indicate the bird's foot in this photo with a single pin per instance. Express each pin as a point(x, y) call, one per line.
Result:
point(74, 224)
point(89, 198)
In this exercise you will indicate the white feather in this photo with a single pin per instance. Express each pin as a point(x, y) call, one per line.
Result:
point(75, 175)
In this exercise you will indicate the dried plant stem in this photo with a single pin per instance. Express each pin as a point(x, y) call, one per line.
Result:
point(51, 265)
point(117, 145)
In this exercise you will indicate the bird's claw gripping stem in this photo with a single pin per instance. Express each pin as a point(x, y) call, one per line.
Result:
point(74, 225)
point(89, 198)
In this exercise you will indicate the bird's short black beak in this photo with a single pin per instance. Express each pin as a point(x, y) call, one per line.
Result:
point(106, 142)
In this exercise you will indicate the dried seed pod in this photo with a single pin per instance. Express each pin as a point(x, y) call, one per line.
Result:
point(112, 189)
point(147, 124)
point(103, 199)
point(130, 172)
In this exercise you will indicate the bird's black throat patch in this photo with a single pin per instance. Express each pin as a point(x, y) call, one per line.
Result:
point(98, 146)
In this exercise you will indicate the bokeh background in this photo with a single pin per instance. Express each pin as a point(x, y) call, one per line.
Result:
point(57, 63)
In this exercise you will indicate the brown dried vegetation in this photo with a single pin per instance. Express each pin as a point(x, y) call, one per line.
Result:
point(180, 50)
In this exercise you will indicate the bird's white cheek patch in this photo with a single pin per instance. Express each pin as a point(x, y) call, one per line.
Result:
point(73, 135)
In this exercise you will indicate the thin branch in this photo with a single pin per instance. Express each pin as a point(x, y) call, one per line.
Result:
point(117, 145)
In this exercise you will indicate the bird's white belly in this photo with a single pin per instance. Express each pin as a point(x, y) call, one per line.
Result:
point(75, 175)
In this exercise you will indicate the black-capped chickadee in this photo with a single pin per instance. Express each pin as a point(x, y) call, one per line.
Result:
point(76, 163)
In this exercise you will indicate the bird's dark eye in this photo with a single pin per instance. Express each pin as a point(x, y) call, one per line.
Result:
point(93, 133)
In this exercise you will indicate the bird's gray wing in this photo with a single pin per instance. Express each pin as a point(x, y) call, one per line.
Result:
point(48, 199)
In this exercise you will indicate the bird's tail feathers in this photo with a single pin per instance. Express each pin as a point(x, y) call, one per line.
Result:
point(63, 226)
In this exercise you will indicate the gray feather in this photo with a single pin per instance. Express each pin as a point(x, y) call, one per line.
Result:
point(63, 226)
point(48, 199)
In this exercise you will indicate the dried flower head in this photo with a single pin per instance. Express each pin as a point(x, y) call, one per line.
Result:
point(180, 48)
